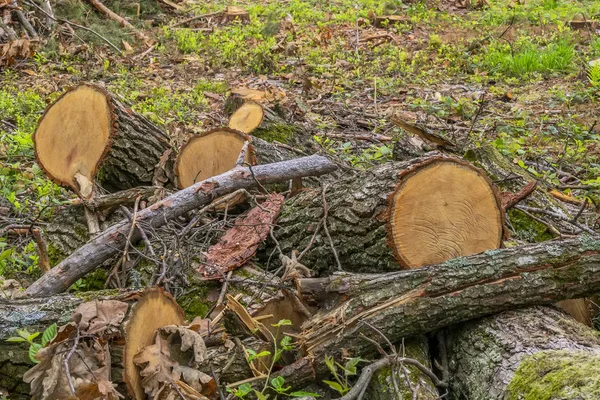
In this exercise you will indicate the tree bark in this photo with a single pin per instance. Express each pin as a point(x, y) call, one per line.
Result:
point(405, 381)
point(408, 303)
point(111, 242)
point(87, 130)
point(537, 352)
point(359, 220)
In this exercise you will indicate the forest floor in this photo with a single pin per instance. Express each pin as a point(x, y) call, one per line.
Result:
point(514, 74)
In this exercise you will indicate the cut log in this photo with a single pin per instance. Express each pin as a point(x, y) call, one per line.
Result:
point(209, 154)
point(217, 151)
point(408, 303)
point(534, 353)
point(87, 129)
point(144, 312)
point(401, 214)
point(111, 241)
point(153, 310)
point(247, 118)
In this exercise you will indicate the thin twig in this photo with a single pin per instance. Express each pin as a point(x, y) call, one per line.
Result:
point(131, 230)
point(325, 212)
point(64, 21)
point(242, 156)
point(68, 357)
point(559, 217)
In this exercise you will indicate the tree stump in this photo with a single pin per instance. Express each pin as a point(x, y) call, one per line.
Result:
point(87, 131)
point(397, 215)
point(533, 353)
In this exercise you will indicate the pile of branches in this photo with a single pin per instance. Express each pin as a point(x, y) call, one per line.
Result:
point(303, 281)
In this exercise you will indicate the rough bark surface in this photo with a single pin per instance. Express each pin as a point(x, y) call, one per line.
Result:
point(137, 148)
point(408, 380)
point(429, 298)
point(110, 242)
point(485, 354)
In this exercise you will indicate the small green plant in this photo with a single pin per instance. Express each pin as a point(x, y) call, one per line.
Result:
point(25, 336)
point(341, 384)
point(276, 384)
point(594, 75)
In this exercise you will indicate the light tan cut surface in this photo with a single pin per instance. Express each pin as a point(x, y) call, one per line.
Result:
point(444, 210)
point(154, 310)
point(247, 118)
point(73, 135)
point(209, 154)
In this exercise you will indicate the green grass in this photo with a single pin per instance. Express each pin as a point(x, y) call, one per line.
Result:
point(525, 58)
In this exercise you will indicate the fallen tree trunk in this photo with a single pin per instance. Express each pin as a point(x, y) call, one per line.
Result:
point(111, 241)
point(532, 353)
point(88, 129)
point(402, 214)
point(426, 299)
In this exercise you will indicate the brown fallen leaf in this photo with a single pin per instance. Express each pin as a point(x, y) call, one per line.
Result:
point(156, 366)
point(189, 340)
point(101, 315)
point(16, 49)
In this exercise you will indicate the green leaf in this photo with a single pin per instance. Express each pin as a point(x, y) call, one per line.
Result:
point(15, 339)
point(261, 396)
point(350, 366)
point(304, 394)
point(24, 333)
point(278, 382)
point(286, 343)
point(330, 362)
point(335, 386)
point(49, 334)
point(283, 322)
point(33, 336)
point(33, 350)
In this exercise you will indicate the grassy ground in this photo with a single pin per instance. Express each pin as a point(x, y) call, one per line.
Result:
point(510, 73)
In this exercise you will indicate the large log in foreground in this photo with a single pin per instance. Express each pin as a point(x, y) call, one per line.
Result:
point(87, 129)
point(534, 353)
point(112, 241)
point(407, 303)
point(402, 214)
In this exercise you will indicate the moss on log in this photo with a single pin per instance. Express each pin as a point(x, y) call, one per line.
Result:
point(533, 353)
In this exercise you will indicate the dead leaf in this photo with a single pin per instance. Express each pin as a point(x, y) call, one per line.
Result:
point(98, 316)
point(200, 325)
point(127, 47)
point(157, 366)
point(198, 380)
point(9, 52)
point(189, 339)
